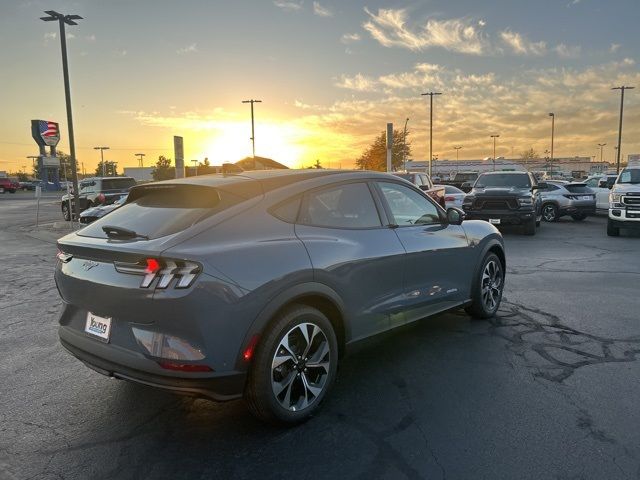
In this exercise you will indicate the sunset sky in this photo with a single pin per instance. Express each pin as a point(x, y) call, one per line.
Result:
point(330, 75)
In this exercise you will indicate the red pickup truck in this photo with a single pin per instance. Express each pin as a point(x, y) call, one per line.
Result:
point(8, 185)
point(423, 182)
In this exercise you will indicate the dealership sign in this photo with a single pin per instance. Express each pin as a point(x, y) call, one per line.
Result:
point(45, 132)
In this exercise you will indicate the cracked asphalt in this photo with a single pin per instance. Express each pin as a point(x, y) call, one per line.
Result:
point(548, 389)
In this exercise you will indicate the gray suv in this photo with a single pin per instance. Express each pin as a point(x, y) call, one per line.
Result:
point(255, 284)
point(562, 198)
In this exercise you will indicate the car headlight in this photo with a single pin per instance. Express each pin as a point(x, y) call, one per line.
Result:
point(614, 197)
point(525, 202)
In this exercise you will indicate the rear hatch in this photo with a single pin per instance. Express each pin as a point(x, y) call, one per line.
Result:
point(580, 194)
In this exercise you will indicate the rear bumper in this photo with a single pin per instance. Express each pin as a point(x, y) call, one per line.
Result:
point(578, 209)
point(513, 217)
point(124, 365)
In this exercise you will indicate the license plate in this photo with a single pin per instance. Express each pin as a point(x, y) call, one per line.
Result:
point(97, 326)
point(494, 221)
point(585, 197)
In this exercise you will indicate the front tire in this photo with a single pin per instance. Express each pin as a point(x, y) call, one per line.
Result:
point(487, 288)
point(612, 230)
point(294, 367)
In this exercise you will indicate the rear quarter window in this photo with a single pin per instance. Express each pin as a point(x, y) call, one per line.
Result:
point(578, 188)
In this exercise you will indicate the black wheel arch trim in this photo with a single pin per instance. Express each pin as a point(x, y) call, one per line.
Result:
point(491, 244)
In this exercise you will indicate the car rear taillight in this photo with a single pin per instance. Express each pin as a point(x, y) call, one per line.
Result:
point(449, 199)
point(185, 367)
point(164, 271)
point(63, 257)
point(101, 198)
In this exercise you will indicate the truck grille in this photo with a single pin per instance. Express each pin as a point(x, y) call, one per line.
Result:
point(627, 200)
point(496, 204)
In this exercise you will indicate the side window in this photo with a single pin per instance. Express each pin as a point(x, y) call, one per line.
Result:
point(343, 206)
point(427, 181)
point(407, 206)
point(288, 211)
point(418, 180)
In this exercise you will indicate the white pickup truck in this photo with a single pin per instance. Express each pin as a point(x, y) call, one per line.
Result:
point(624, 201)
point(601, 186)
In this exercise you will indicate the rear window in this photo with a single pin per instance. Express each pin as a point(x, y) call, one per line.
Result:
point(578, 188)
point(163, 210)
point(117, 184)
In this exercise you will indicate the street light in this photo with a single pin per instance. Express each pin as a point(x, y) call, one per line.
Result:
point(622, 89)
point(102, 149)
point(457, 150)
point(404, 145)
point(68, 20)
point(601, 145)
point(553, 124)
point(431, 94)
point(195, 162)
point(494, 150)
point(253, 135)
point(140, 157)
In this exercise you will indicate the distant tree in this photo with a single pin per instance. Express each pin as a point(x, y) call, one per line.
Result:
point(529, 154)
point(375, 156)
point(317, 164)
point(163, 170)
point(110, 169)
point(206, 162)
point(22, 177)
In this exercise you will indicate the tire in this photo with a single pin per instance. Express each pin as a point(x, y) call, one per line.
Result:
point(549, 212)
point(487, 288)
point(281, 408)
point(612, 230)
point(578, 217)
point(66, 214)
point(530, 227)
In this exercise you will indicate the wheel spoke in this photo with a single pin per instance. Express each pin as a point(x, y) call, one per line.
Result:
point(315, 391)
point(278, 387)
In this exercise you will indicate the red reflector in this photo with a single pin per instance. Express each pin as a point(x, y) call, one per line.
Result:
point(101, 198)
point(248, 353)
point(449, 199)
point(153, 265)
point(185, 367)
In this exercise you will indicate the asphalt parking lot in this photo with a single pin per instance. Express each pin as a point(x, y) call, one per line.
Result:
point(548, 389)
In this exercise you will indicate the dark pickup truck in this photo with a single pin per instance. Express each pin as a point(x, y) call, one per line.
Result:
point(462, 180)
point(98, 191)
point(505, 198)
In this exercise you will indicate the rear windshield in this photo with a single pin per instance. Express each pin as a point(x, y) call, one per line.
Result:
point(117, 184)
point(506, 180)
point(163, 210)
point(578, 188)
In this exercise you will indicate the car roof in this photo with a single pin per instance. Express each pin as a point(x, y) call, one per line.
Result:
point(502, 172)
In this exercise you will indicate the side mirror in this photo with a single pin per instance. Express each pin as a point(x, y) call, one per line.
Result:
point(455, 216)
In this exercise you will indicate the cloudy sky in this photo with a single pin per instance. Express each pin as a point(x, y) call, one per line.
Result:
point(330, 75)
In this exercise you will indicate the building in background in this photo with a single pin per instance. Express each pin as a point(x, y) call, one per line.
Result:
point(140, 174)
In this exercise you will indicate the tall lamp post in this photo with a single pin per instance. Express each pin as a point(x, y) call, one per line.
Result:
point(102, 149)
point(494, 150)
point(457, 150)
point(404, 145)
point(253, 135)
point(601, 145)
point(431, 94)
point(622, 89)
point(195, 163)
point(553, 124)
point(67, 20)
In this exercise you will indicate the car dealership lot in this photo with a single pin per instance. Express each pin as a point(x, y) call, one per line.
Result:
point(547, 389)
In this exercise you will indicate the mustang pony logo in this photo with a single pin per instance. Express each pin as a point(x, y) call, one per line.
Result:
point(88, 265)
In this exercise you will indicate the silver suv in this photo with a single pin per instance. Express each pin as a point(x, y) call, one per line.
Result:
point(563, 198)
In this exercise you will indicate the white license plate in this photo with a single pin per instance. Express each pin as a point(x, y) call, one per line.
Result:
point(586, 197)
point(495, 221)
point(97, 326)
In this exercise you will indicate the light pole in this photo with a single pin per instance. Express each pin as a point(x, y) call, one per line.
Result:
point(494, 150)
point(431, 94)
point(195, 162)
point(33, 159)
point(601, 145)
point(253, 135)
point(68, 20)
point(457, 150)
point(553, 124)
point(102, 149)
point(622, 89)
point(140, 157)
point(404, 145)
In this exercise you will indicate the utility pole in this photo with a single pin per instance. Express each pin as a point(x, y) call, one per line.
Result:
point(102, 149)
point(253, 134)
point(431, 94)
point(140, 157)
point(553, 123)
point(195, 162)
point(622, 89)
point(494, 150)
point(457, 150)
point(68, 20)
point(601, 145)
point(33, 159)
point(404, 145)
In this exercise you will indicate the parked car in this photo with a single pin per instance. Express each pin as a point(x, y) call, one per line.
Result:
point(505, 198)
point(8, 185)
point(562, 198)
point(92, 214)
point(624, 201)
point(453, 196)
point(424, 183)
point(463, 180)
point(601, 186)
point(27, 186)
point(256, 284)
point(97, 191)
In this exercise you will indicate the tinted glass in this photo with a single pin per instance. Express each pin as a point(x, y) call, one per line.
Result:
point(452, 189)
point(503, 180)
point(117, 184)
point(288, 211)
point(405, 176)
point(550, 187)
point(425, 180)
point(162, 211)
point(593, 182)
point(408, 207)
point(630, 175)
point(466, 177)
point(578, 188)
point(343, 206)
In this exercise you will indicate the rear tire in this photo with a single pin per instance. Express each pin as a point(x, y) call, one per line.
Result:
point(291, 376)
point(487, 288)
point(612, 230)
point(66, 214)
point(530, 227)
point(549, 212)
